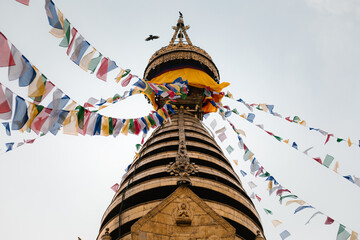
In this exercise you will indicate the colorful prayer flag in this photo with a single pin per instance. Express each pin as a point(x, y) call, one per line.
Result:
point(328, 160)
point(115, 187)
point(285, 234)
point(20, 116)
point(342, 233)
point(301, 208)
point(7, 128)
point(25, 2)
point(229, 149)
point(9, 146)
point(105, 67)
point(6, 58)
point(267, 211)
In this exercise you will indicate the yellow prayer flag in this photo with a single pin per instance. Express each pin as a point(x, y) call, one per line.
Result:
point(32, 112)
point(243, 115)
point(230, 95)
point(251, 155)
point(161, 113)
point(85, 61)
point(349, 142)
point(270, 185)
point(300, 202)
point(236, 162)
point(336, 167)
point(104, 126)
point(71, 106)
point(70, 125)
point(276, 223)
point(354, 236)
point(125, 128)
point(103, 106)
point(119, 76)
point(239, 131)
point(302, 123)
point(36, 87)
point(59, 33)
point(286, 141)
point(110, 100)
point(263, 107)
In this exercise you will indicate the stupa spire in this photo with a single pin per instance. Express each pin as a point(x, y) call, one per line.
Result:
point(180, 32)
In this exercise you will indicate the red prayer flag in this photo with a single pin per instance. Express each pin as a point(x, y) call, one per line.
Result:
point(137, 126)
point(329, 220)
point(87, 114)
point(280, 191)
point(4, 104)
point(73, 33)
point(328, 138)
point(6, 58)
point(102, 72)
point(30, 141)
point(40, 119)
point(25, 2)
point(318, 160)
point(288, 118)
point(258, 198)
point(115, 187)
point(270, 133)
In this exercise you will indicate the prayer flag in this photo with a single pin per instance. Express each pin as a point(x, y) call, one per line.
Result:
point(70, 125)
point(294, 145)
point(105, 126)
point(328, 137)
point(9, 146)
point(236, 162)
point(354, 236)
point(37, 87)
point(20, 116)
point(276, 223)
point(288, 118)
point(5, 103)
point(221, 130)
point(318, 212)
point(80, 53)
point(287, 196)
point(118, 127)
point(274, 189)
point(342, 233)
point(300, 202)
point(52, 15)
point(83, 124)
point(339, 140)
point(252, 196)
point(278, 138)
point(30, 141)
point(115, 187)
point(280, 191)
point(243, 173)
point(247, 155)
point(250, 117)
point(306, 151)
point(125, 128)
point(286, 141)
point(222, 136)
point(6, 58)
point(271, 178)
point(25, 2)
point(7, 128)
point(318, 160)
point(260, 171)
point(213, 124)
point(252, 185)
point(15, 71)
point(284, 234)
point(348, 177)
point(28, 75)
point(349, 142)
point(229, 149)
point(301, 208)
point(66, 40)
point(267, 174)
point(73, 34)
point(258, 198)
point(138, 146)
point(105, 67)
point(59, 32)
point(97, 128)
point(329, 220)
point(328, 160)
point(267, 211)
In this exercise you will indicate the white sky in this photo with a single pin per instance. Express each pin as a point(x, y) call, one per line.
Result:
point(301, 56)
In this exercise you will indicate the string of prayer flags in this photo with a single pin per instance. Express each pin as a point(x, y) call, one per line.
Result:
point(82, 50)
point(115, 187)
point(285, 234)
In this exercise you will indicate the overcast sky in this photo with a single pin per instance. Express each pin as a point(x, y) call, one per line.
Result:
point(301, 56)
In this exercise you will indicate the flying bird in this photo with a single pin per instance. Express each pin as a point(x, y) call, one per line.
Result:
point(151, 37)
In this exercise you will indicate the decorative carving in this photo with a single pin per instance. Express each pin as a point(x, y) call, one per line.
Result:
point(182, 166)
point(182, 214)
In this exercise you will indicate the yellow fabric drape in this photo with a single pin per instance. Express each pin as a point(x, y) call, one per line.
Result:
point(195, 77)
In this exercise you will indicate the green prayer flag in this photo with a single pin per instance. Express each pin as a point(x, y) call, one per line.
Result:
point(296, 119)
point(288, 196)
point(80, 116)
point(151, 120)
point(342, 233)
point(132, 126)
point(66, 40)
point(138, 146)
point(111, 126)
point(265, 174)
point(229, 149)
point(267, 211)
point(328, 160)
point(235, 111)
point(278, 138)
point(339, 139)
point(94, 62)
point(259, 108)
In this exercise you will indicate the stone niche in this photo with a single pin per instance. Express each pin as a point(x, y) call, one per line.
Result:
point(182, 216)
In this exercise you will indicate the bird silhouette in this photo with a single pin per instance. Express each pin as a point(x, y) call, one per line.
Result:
point(151, 37)
point(180, 14)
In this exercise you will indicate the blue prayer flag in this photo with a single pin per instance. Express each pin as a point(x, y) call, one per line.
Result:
point(7, 128)
point(250, 117)
point(97, 128)
point(294, 145)
point(20, 116)
point(29, 74)
point(9, 146)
